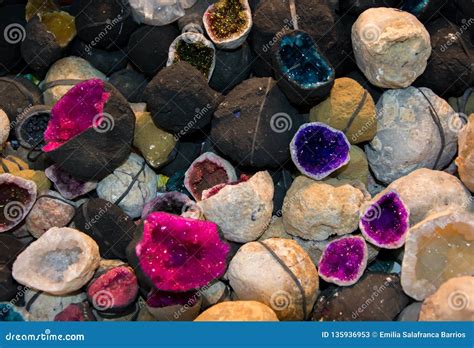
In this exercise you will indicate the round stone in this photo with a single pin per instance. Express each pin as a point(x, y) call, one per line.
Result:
point(238, 311)
point(465, 160)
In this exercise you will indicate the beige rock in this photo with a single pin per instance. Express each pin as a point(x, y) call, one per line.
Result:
point(465, 160)
point(356, 169)
point(4, 128)
point(453, 301)
point(242, 211)
point(426, 192)
point(60, 262)
point(391, 47)
point(315, 210)
point(276, 229)
point(437, 249)
point(238, 311)
point(254, 274)
point(44, 306)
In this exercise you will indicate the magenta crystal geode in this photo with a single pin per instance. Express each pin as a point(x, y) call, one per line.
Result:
point(180, 254)
point(384, 223)
point(343, 260)
point(78, 110)
point(318, 150)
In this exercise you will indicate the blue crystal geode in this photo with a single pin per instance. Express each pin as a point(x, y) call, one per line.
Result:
point(415, 6)
point(423, 9)
point(304, 74)
point(318, 150)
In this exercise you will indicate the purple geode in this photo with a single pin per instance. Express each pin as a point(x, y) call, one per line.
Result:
point(180, 254)
point(318, 150)
point(384, 223)
point(66, 184)
point(343, 260)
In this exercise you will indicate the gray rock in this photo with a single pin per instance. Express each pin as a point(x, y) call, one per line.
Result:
point(410, 313)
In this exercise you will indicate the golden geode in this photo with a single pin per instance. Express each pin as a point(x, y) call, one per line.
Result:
point(437, 249)
point(349, 108)
point(465, 160)
point(238, 311)
point(61, 24)
point(34, 7)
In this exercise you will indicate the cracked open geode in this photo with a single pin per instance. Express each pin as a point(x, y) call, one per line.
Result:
point(93, 121)
point(318, 150)
point(178, 254)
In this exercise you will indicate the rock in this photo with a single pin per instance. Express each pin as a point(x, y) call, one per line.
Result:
point(156, 146)
point(44, 307)
point(465, 160)
point(38, 177)
point(60, 262)
point(437, 249)
point(156, 14)
point(4, 128)
point(408, 136)
point(64, 74)
point(356, 169)
point(256, 274)
point(107, 62)
point(465, 103)
point(22, 95)
point(375, 297)
point(349, 108)
point(76, 312)
point(424, 10)
point(8, 286)
point(276, 229)
point(169, 306)
point(426, 191)
point(174, 203)
point(410, 313)
point(10, 312)
point(215, 293)
point(238, 311)
point(67, 185)
point(242, 210)
point(316, 210)
point(391, 47)
point(453, 301)
point(130, 83)
point(143, 190)
point(49, 211)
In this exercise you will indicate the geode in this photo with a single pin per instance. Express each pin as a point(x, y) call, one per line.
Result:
point(238, 311)
point(93, 121)
point(391, 47)
point(177, 254)
point(343, 260)
point(76, 312)
point(174, 203)
point(4, 128)
point(18, 95)
point(113, 290)
point(30, 127)
point(107, 62)
point(437, 249)
point(414, 130)
point(130, 186)
point(108, 225)
point(356, 170)
point(60, 262)
point(67, 185)
point(465, 159)
point(207, 171)
point(242, 210)
point(317, 150)
point(384, 221)
point(130, 83)
point(278, 273)
point(17, 197)
point(302, 71)
point(172, 306)
point(254, 125)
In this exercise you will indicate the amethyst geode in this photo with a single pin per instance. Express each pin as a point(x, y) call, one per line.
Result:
point(178, 254)
point(343, 260)
point(91, 129)
point(384, 222)
point(318, 150)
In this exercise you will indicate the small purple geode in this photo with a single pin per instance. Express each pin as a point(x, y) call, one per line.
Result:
point(384, 223)
point(66, 184)
point(343, 260)
point(180, 254)
point(318, 150)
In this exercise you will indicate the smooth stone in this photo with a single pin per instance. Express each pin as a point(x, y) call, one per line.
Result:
point(215, 293)
point(410, 312)
point(238, 311)
point(465, 159)
point(4, 128)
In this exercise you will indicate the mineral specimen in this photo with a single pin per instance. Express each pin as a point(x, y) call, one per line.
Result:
point(303, 73)
point(384, 221)
point(410, 312)
point(317, 150)
point(68, 186)
point(349, 108)
point(17, 197)
point(413, 131)
point(238, 311)
point(391, 47)
point(343, 261)
point(250, 202)
point(356, 169)
point(130, 83)
point(18, 95)
point(107, 62)
point(207, 171)
point(316, 210)
point(465, 160)
point(30, 127)
point(178, 254)
point(158, 12)
point(10, 312)
point(76, 312)
point(4, 128)
point(278, 273)
point(171, 306)
point(437, 249)
point(174, 203)
point(255, 123)
point(60, 262)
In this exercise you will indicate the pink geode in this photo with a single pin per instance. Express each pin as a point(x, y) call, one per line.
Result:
point(78, 110)
point(180, 254)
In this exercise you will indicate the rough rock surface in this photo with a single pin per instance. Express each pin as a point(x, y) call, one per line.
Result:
point(408, 137)
point(115, 185)
point(315, 210)
point(453, 301)
point(44, 306)
point(465, 160)
point(242, 211)
point(391, 47)
point(4, 128)
point(60, 262)
point(255, 274)
point(356, 169)
point(437, 249)
point(238, 311)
